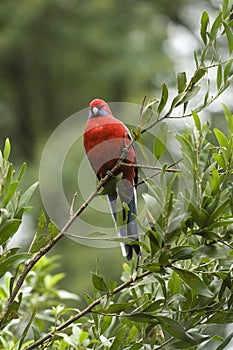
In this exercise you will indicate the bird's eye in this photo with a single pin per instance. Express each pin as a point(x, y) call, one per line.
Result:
point(95, 110)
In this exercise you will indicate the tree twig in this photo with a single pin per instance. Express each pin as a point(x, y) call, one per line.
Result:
point(144, 166)
point(85, 311)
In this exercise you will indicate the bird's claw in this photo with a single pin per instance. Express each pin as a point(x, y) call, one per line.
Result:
point(109, 173)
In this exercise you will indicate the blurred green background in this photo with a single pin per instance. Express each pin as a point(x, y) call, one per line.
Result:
point(57, 55)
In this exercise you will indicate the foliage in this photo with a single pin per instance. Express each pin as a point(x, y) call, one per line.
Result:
point(183, 285)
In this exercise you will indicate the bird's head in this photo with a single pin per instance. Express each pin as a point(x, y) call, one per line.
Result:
point(99, 108)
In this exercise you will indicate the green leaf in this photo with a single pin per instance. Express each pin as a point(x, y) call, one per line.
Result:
point(12, 311)
point(174, 328)
point(222, 140)
point(88, 298)
point(42, 236)
point(28, 194)
point(7, 149)
point(182, 253)
point(26, 329)
point(219, 76)
point(99, 282)
point(220, 160)
point(118, 307)
point(215, 181)
point(11, 192)
point(22, 172)
point(194, 282)
point(136, 346)
point(105, 323)
point(154, 306)
point(225, 5)
point(226, 341)
point(7, 182)
point(160, 141)
point(200, 72)
point(110, 186)
point(229, 37)
point(227, 70)
point(216, 26)
point(186, 96)
point(10, 262)
point(53, 229)
point(182, 81)
point(140, 317)
point(177, 100)
point(221, 317)
point(196, 120)
point(147, 112)
point(8, 229)
point(190, 94)
point(212, 251)
point(163, 98)
point(204, 25)
point(117, 343)
point(229, 117)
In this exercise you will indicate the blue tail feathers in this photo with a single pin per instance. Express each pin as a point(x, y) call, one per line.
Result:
point(129, 230)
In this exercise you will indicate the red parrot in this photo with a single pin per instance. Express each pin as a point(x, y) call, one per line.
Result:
point(105, 137)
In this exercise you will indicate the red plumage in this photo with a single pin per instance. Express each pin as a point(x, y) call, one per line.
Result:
point(104, 140)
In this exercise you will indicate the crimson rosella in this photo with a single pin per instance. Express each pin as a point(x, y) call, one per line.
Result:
point(105, 138)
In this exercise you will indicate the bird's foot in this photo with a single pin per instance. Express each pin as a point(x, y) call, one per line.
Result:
point(109, 173)
point(125, 150)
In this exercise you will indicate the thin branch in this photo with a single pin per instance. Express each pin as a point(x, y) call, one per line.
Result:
point(73, 204)
point(106, 239)
point(85, 311)
point(143, 166)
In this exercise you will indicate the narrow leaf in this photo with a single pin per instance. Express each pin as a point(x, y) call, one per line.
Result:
point(28, 194)
point(141, 317)
point(222, 140)
point(229, 117)
point(229, 37)
point(105, 323)
point(204, 25)
point(9, 263)
point(182, 81)
point(117, 343)
point(225, 5)
point(99, 283)
point(226, 341)
point(11, 191)
point(227, 70)
point(174, 328)
point(196, 120)
point(22, 171)
point(221, 317)
point(194, 282)
point(220, 160)
point(163, 98)
point(26, 329)
point(200, 72)
point(160, 141)
point(7, 149)
point(219, 76)
point(216, 26)
point(8, 229)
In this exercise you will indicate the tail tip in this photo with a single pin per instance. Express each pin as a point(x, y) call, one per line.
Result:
point(129, 251)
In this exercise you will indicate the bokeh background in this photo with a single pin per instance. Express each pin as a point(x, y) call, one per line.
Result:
point(57, 55)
